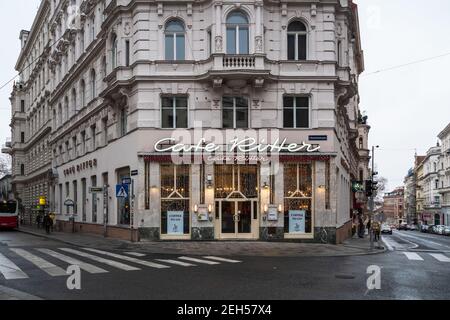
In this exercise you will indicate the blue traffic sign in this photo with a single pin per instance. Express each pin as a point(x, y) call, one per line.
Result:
point(122, 191)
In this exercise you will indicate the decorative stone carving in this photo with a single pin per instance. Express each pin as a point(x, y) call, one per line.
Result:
point(313, 10)
point(259, 44)
point(259, 83)
point(127, 29)
point(217, 82)
point(160, 9)
point(284, 9)
point(219, 44)
point(189, 9)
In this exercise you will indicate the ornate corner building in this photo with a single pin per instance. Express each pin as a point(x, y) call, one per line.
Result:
point(102, 83)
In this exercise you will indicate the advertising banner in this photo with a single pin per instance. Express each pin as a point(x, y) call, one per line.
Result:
point(297, 221)
point(175, 223)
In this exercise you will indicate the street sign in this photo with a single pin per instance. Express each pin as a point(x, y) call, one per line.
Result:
point(134, 173)
point(122, 191)
point(126, 181)
point(95, 189)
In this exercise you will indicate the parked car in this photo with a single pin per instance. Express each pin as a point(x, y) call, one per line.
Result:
point(425, 228)
point(385, 228)
point(439, 229)
point(412, 227)
point(403, 226)
point(447, 231)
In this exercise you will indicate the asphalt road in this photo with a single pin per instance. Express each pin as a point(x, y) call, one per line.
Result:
point(415, 267)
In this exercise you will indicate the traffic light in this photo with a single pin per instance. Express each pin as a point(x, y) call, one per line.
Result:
point(369, 191)
point(374, 185)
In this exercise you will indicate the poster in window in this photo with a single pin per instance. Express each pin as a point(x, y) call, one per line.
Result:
point(297, 221)
point(175, 223)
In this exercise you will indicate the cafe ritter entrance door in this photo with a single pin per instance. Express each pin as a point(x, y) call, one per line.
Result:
point(237, 201)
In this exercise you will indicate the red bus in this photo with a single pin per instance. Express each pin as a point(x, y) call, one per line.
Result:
point(9, 214)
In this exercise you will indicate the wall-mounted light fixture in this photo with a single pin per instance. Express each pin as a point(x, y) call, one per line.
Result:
point(266, 186)
point(196, 208)
point(210, 208)
point(266, 208)
point(280, 208)
point(322, 187)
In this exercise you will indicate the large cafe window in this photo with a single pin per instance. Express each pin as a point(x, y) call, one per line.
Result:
point(175, 212)
point(298, 198)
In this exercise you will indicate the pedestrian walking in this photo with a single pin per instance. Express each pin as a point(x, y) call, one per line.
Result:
point(47, 223)
point(376, 230)
point(38, 221)
point(369, 223)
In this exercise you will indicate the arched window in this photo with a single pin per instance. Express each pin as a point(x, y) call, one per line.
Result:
point(82, 94)
point(114, 51)
point(104, 67)
point(93, 85)
point(297, 41)
point(175, 40)
point(237, 33)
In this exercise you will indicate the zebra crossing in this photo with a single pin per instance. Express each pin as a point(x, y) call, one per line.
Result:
point(414, 256)
point(92, 261)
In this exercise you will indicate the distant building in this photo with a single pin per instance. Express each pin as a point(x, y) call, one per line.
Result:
point(393, 207)
point(410, 197)
point(418, 173)
point(444, 174)
point(6, 192)
point(429, 184)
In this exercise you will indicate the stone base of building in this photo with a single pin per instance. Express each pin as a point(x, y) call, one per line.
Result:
point(111, 231)
point(331, 236)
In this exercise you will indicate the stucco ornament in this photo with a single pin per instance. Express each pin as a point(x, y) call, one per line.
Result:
point(259, 43)
point(219, 44)
point(127, 28)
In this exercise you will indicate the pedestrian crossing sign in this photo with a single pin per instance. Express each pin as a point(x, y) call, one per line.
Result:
point(122, 191)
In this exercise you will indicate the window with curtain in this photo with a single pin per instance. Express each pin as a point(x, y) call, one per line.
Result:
point(235, 112)
point(237, 33)
point(297, 41)
point(175, 40)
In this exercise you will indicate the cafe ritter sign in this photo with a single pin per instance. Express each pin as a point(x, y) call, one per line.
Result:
point(245, 145)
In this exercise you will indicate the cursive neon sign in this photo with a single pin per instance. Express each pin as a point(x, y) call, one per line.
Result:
point(247, 145)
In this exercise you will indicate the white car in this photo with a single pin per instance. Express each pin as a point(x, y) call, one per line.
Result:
point(385, 228)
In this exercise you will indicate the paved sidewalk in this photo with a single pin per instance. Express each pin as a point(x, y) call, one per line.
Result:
point(12, 294)
point(351, 247)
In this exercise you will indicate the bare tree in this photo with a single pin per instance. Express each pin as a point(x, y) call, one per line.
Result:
point(382, 183)
point(5, 165)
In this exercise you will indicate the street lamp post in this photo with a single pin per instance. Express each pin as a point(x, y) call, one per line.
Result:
point(372, 199)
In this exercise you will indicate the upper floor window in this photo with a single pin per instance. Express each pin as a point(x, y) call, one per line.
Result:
point(296, 112)
point(82, 93)
point(237, 33)
point(114, 52)
point(175, 40)
point(174, 112)
point(93, 84)
point(297, 41)
point(22, 105)
point(123, 122)
point(235, 112)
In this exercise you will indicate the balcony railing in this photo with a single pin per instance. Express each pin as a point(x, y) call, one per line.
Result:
point(239, 62)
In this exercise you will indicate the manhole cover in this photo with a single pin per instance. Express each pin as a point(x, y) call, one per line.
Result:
point(345, 276)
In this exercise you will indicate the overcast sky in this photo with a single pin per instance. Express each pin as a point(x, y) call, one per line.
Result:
point(407, 107)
